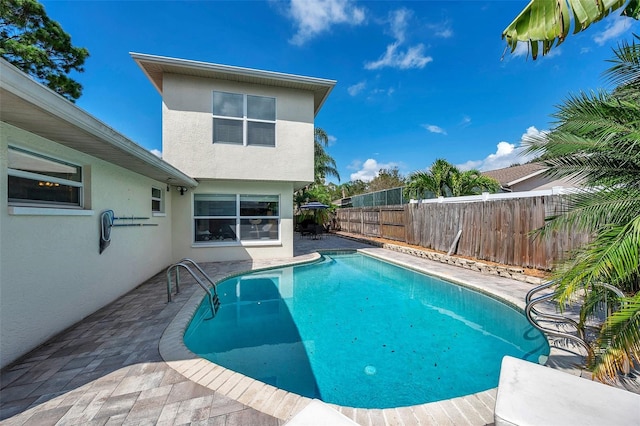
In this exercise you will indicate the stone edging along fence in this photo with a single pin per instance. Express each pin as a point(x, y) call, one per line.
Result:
point(512, 272)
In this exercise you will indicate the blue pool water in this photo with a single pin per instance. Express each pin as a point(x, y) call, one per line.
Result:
point(355, 331)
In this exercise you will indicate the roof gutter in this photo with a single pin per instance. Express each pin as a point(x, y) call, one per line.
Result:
point(21, 85)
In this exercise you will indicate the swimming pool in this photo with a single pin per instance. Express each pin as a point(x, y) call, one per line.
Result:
point(355, 331)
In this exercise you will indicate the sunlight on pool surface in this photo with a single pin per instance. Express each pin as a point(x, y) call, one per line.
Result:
point(355, 331)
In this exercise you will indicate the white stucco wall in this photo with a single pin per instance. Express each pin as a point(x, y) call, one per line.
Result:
point(51, 274)
point(540, 182)
point(183, 223)
point(187, 123)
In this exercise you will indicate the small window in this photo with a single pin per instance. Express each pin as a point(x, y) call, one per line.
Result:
point(157, 206)
point(244, 119)
point(36, 179)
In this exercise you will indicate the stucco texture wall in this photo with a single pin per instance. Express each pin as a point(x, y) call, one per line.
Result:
point(188, 133)
point(51, 272)
point(183, 223)
point(540, 182)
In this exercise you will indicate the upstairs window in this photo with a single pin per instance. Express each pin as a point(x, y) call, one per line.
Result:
point(39, 180)
point(244, 119)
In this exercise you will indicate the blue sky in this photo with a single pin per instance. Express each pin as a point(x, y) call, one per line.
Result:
point(416, 80)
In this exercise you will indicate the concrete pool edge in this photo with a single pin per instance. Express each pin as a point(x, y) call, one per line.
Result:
point(284, 405)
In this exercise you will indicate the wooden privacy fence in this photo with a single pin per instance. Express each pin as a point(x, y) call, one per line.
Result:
point(495, 230)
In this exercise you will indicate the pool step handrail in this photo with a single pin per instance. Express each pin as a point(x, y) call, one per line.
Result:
point(534, 316)
point(543, 316)
point(214, 300)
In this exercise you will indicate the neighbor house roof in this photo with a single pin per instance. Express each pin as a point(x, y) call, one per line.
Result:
point(155, 67)
point(30, 106)
point(510, 176)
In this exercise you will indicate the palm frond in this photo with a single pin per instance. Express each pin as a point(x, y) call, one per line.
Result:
point(545, 23)
point(589, 211)
point(612, 257)
point(626, 68)
point(597, 141)
point(620, 339)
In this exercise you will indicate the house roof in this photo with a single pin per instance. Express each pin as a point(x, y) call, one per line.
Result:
point(35, 108)
point(154, 68)
point(509, 176)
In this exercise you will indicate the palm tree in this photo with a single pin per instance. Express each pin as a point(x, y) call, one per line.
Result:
point(323, 164)
point(597, 140)
point(443, 179)
point(471, 182)
point(548, 22)
point(433, 180)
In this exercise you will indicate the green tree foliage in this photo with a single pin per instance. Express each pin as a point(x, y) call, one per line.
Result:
point(471, 182)
point(324, 164)
point(597, 141)
point(39, 46)
point(443, 179)
point(350, 188)
point(386, 179)
point(545, 22)
point(432, 181)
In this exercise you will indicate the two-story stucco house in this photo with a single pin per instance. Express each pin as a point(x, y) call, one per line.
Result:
point(246, 136)
point(236, 143)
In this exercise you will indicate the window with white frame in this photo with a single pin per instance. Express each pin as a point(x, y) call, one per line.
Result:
point(244, 119)
point(157, 205)
point(38, 180)
point(236, 218)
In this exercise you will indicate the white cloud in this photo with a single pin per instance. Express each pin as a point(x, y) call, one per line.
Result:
point(445, 33)
point(394, 56)
point(156, 152)
point(398, 20)
point(369, 169)
point(471, 164)
point(532, 134)
point(442, 30)
point(413, 57)
point(556, 51)
point(313, 17)
point(466, 121)
point(356, 88)
point(379, 91)
point(332, 140)
point(522, 49)
point(506, 153)
point(434, 129)
point(615, 27)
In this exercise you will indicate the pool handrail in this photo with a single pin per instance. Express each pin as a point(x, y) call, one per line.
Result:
point(214, 301)
point(530, 310)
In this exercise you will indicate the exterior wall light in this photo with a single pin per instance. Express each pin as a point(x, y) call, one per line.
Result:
point(182, 189)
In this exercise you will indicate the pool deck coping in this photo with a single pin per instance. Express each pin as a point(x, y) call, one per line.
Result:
point(285, 405)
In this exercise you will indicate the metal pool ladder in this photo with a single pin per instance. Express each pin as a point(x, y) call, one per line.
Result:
point(535, 317)
point(214, 300)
